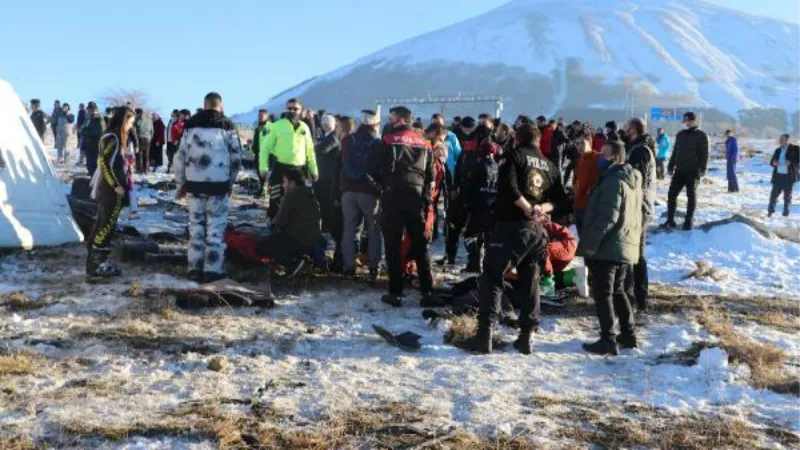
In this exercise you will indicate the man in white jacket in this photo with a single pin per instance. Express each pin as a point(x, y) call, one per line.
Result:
point(206, 165)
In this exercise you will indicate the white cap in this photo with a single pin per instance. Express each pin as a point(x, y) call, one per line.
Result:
point(370, 117)
point(328, 120)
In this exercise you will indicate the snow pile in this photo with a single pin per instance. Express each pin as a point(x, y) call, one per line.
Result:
point(748, 263)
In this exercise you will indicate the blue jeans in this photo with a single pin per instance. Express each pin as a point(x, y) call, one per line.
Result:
point(733, 183)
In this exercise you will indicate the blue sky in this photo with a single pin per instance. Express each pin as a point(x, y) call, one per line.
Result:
point(248, 50)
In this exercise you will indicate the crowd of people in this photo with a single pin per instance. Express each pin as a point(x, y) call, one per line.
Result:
point(508, 191)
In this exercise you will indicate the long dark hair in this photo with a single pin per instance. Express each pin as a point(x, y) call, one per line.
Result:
point(528, 136)
point(116, 125)
point(510, 134)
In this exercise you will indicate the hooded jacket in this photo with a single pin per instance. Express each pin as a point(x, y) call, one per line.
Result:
point(642, 158)
point(299, 216)
point(209, 156)
point(612, 226)
point(690, 153)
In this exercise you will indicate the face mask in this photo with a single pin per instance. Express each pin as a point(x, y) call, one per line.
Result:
point(291, 115)
point(685, 126)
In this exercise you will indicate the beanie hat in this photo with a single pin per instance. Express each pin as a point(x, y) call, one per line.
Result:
point(468, 122)
point(369, 117)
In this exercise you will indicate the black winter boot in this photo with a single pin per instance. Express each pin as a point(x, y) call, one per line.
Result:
point(627, 340)
point(481, 342)
point(669, 225)
point(687, 224)
point(523, 342)
point(604, 346)
point(97, 265)
point(395, 300)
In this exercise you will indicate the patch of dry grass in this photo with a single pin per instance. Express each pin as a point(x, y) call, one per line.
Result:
point(464, 440)
point(784, 437)
point(705, 433)
point(704, 269)
point(641, 426)
point(765, 360)
point(18, 364)
point(17, 443)
point(775, 319)
point(463, 327)
point(134, 290)
point(18, 301)
point(137, 336)
point(394, 425)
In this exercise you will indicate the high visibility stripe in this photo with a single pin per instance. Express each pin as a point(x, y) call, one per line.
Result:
point(103, 235)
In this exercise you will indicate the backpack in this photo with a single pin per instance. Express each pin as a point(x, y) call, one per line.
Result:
point(355, 164)
point(98, 173)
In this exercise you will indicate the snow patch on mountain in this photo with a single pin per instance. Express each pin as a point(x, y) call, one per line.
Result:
point(688, 52)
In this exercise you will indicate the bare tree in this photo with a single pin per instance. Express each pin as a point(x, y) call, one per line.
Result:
point(119, 97)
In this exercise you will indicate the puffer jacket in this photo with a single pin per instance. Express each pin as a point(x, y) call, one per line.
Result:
point(209, 156)
point(642, 157)
point(690, 153)
point(612, 226)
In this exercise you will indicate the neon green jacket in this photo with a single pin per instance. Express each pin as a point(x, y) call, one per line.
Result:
point(289, 145)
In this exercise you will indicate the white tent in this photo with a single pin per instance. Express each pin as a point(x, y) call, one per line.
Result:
point(33, 206)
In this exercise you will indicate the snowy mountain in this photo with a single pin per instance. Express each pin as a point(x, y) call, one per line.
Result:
point(546, 56)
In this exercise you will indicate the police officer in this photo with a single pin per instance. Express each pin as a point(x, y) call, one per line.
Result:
point(529, 187)
point(403, 169)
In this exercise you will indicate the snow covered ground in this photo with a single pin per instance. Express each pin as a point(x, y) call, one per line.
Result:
point(102, 358)
point(750, 263)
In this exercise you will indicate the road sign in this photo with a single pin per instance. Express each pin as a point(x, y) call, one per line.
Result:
point(665, 114)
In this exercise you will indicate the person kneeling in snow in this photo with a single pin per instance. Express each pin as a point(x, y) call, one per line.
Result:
point(612, 229)
point(206, 165)
point(296, 228)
